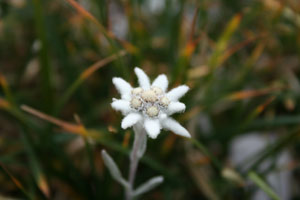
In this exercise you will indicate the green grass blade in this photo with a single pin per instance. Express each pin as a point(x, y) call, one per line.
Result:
point(44, 59)
point(263, 185)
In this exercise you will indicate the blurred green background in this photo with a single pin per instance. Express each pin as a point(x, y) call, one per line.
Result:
point(240, 59)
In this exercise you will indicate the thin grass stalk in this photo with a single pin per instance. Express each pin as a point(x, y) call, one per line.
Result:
point(43, 53)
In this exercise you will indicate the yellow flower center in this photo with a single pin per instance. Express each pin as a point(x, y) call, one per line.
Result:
point(149, 102)
point(149, 96)
point(137, 91)
point(135, 103)
point(152, 111)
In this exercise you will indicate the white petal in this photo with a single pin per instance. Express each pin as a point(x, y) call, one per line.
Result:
point(123, 87)
point(142, 78)
point(174, 126)
point(175, 107)
point(121, 105)
point(152, 127)
point(161, 81)
point(176, 93)
point(130, 120)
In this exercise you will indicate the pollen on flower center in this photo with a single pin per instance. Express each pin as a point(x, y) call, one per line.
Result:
point(137, 91)
point(152, 111)
point(157, 90)
point(151, 103)
point(149, 95)
point(135, 103)
point(165, 101)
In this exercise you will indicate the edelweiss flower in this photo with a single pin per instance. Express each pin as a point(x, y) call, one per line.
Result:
point(150, 104)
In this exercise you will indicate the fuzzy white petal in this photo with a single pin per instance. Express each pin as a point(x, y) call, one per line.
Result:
point(143, 79)
point(121, 105)
point(174, 126)
point(176, 93)
point(175, 107)
point(161, 81)
point(130, 120)
point(123, 87)
point(152, 127)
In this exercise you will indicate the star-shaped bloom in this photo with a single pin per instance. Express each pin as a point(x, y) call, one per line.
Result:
point(150, 104)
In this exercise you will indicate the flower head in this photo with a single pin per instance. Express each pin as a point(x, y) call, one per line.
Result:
point(150, 104)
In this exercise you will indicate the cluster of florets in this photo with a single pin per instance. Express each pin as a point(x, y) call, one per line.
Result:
point(150, 105)
point(150, 102)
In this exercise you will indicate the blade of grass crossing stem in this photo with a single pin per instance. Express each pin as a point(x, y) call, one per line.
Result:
point(43, 53)
point(36, 169)
point(97, 136)
point(263, 185)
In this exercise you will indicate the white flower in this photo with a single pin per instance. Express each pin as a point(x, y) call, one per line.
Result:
point(150, 104)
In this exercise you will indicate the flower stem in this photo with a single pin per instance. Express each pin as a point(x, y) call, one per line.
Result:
point(135, 155)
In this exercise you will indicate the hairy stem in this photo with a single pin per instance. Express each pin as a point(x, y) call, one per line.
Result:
point(135, 155)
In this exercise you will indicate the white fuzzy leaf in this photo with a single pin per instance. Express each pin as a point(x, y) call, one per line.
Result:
point(161, 81)
point(175, 107)
point(174, 126)
point(176, 93)
point(142, 78)
point(149, 185)
point(113, 169)
point(152, 127)
point(121, 105)
point(130, 120)
point(123, 87)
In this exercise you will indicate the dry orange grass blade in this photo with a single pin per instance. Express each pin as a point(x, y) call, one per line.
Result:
point(14, 180)
point(190, 47)
point(263, 106)
point(246, 94)
point(72, 128)
point(89, 71)
point(90, 17)
point(259, 109)
point(227, 54)
point(223, 42)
